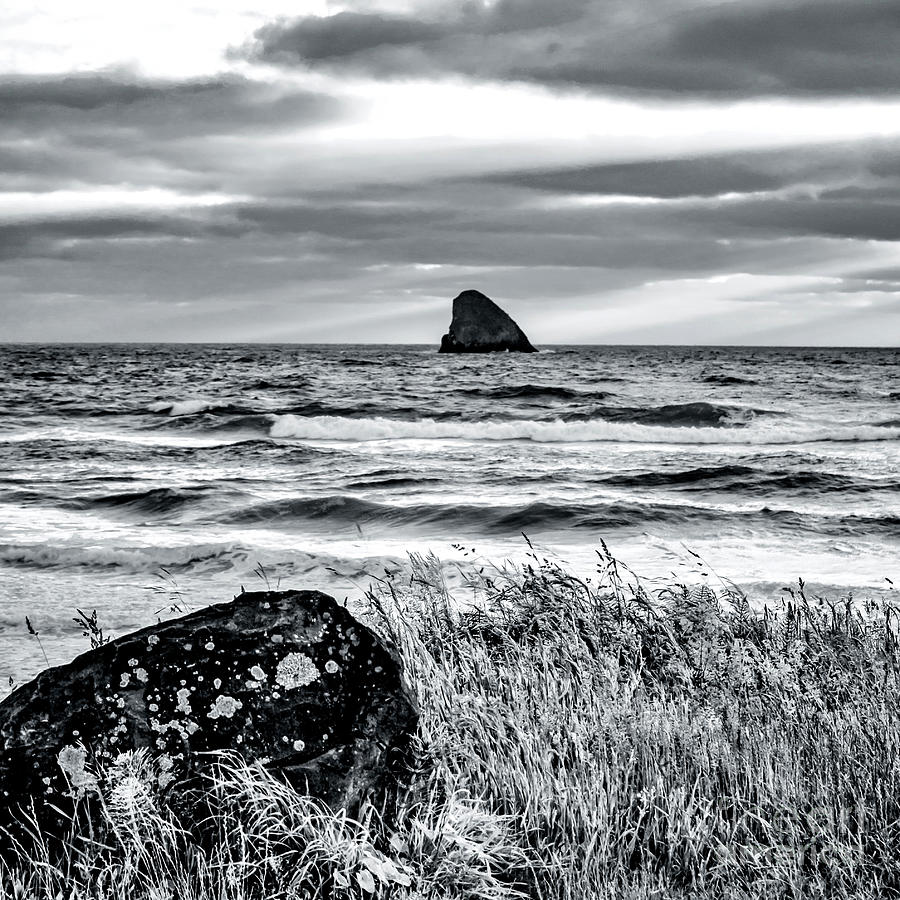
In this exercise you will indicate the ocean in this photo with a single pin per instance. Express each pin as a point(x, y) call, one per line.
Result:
point(137, 478)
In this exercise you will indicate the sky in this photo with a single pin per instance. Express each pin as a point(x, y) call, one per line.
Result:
point(608, 171)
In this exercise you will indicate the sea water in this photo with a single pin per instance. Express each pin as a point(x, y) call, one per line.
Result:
point(138, 478)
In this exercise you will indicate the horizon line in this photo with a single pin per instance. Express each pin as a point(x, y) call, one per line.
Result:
point(184, 343)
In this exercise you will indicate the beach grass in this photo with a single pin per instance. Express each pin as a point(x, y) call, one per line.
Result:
point(577, 739)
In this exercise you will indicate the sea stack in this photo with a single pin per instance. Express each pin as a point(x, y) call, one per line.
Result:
point(480, 326)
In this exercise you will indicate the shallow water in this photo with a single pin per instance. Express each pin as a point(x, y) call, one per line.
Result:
point(131, 471)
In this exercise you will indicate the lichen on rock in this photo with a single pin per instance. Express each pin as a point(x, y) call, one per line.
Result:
point(296, 670)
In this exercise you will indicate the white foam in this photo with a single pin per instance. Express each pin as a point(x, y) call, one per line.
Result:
point(339, 428)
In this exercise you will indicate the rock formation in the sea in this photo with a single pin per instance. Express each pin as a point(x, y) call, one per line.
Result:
point(289, 678)
point(480, 326)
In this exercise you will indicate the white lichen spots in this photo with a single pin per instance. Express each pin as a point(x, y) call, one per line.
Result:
point(192, 727)
point(224, 707)
point(152, 641)
point(141, 675)
point(258, 673)
point(165, 764)
point(276, 639)
point(296, 670)
point(285, 739)
point(184, 701)
point(123, 681)
point(331, 667)
point(188, 646)
point(153, 707)
point(217, 683)
point(120, 702)
point(73, 761)
point(132, 662)
point(209, 645)
point(199, 678)
point(299, 745)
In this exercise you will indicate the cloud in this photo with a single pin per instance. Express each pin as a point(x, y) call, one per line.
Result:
point(217, 208)
point(87, 129)
point(171, 108)
point(344, 34)
point(667, 178)
point(664, 47)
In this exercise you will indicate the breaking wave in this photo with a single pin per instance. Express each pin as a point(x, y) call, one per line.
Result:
point(338, 428)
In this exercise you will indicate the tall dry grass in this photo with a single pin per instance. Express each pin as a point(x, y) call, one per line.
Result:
point(577, 740)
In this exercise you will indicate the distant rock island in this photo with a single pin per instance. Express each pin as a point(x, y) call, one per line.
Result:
point(480, 326)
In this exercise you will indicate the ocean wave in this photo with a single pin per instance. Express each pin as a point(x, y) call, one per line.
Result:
point(352, 362)
point(387, 481)
point(205, 558)
point(748, 480)
point(338, 428)
point(701, 475)
point(156, 501)
point(204, 416)
point(336, 512)
point(539, 514)
point(535, 392)
point(729, 379)
point(699, 414)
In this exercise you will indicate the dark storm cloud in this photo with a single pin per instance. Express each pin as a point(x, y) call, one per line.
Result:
point(745, 49)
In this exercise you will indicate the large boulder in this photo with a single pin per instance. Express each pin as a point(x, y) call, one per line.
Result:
point(289, 678)
point(480, 326)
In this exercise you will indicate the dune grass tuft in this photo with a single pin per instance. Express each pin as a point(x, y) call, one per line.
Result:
point(578, 739)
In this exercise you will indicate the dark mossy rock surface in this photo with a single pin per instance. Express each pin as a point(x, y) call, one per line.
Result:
point(480, 326)
point(290, 678)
